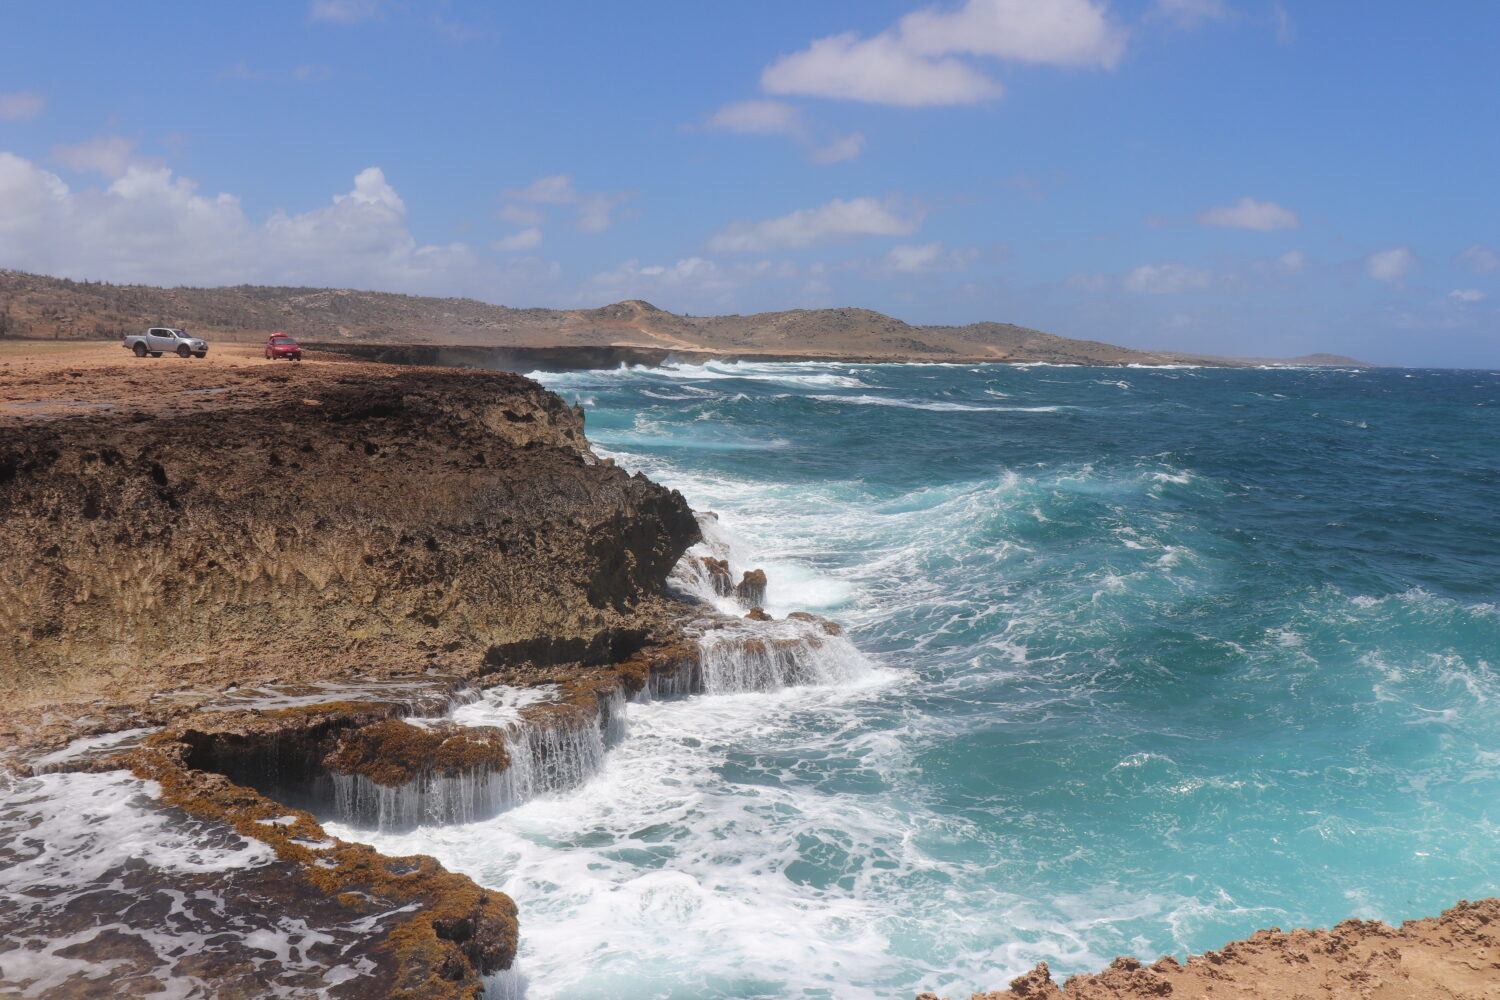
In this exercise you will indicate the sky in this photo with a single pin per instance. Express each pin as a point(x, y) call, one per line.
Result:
point(1245, 177)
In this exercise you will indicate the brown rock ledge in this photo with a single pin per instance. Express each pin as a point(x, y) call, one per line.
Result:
point(1455, 956)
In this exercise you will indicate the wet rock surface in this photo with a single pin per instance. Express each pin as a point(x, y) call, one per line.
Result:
point(110, 893)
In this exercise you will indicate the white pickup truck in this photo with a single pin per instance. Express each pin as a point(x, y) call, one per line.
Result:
point(161, 339)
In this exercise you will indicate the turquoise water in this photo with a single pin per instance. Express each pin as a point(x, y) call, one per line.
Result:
point(1156, 657)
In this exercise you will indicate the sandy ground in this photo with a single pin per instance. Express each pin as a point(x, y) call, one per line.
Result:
point(49, 378)
point(29, 356)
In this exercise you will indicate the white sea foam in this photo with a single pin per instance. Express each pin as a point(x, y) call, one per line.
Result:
point(93, 854)
point(940, 406)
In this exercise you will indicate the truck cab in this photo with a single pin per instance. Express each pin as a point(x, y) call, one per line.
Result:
point(159, 340)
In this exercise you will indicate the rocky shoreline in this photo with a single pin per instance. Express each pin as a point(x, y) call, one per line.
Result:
point(262, 593)
point(253, 600)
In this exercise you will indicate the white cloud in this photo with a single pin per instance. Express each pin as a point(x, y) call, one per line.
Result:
point(1165, 279)
point(553, 189)
point(1247, 213)
point(925, 258)
point(762, 117)
point(526, 239)
point(839, 149)
point(523, 215)
point(345, 11)
point(695, 284)
point(1055, 32)
point(837, 220)
point(108, 155)
point(1391, 265)
point(301, 73)
point(1286, 31)
point(1467, 295)
point(153, 227)
point(879, 70)
point(914, 64)
point(1480, 259)
point(20, 105)
point(1190, 13)
point(592, 211)
point(1292, 260)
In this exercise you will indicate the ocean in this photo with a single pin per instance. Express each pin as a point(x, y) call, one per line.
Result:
point(1143, 659)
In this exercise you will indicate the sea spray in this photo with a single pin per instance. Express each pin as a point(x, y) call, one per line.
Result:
point(750, 656)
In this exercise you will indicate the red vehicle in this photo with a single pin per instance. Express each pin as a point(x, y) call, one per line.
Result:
point(279, 345)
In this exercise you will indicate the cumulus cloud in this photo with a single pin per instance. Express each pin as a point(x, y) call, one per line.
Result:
point(1480, 259)
point(1467, 295)
point(150, 226)
point(1165, 279)
point(837, 220)
point(21, 105)
point(345, 11)
point(916, 62)
point(1054, 32)
point(1247, 213)
point(762, 117)
point(527, 239)
point(109, 155)
point(879, 70)
point(1391, 265)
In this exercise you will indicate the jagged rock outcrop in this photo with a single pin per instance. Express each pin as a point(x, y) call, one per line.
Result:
point(751, 590)
point(198, 524)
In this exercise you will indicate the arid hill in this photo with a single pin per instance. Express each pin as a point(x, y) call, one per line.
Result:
point(37, 306)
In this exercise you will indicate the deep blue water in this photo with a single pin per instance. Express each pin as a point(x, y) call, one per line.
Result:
point(1159, 657)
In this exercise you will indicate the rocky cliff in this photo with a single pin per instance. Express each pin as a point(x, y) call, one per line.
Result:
point(222, 590)
point(188, 524)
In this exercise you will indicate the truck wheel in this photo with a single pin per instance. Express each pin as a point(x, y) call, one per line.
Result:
point(200, 354)
point(139, 350)
point(183, 352)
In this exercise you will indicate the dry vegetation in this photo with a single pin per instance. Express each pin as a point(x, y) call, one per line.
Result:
point(35, 306)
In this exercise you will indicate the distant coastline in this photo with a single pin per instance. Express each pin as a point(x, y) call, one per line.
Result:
point(413, 329)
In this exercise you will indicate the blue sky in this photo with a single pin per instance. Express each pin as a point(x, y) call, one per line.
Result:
point(1229, 176)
